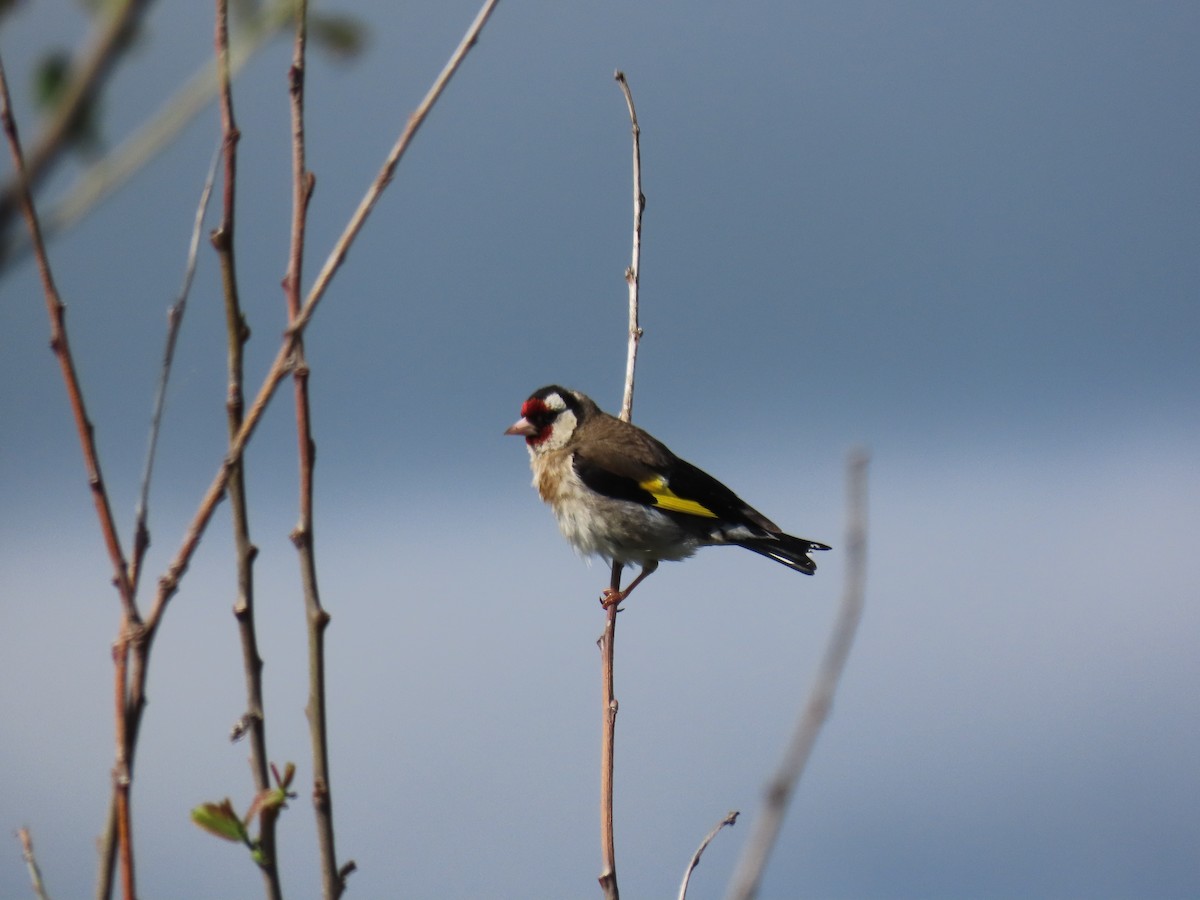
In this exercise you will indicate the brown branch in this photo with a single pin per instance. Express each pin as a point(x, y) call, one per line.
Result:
point(35, 872)
point(237, 334)
point(91, 70)
point(608, 877)
point(730, 820)
point(607, 642)
point(122, 770)
point(131, 625)
point(333, 878)
point(748, 875)
point(62, 350)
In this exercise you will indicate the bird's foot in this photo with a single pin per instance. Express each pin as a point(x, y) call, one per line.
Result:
point(611, 597)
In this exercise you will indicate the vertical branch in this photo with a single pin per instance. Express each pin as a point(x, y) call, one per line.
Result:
point(123, 770)
point(633, 273)
point(333, 878)
point(608, 877)
point(237, 333)
point(748, 875)
point(131, 628)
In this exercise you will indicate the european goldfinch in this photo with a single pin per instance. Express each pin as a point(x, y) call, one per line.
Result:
point(621, 494)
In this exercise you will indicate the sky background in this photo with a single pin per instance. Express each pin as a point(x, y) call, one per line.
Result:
point(962, 235)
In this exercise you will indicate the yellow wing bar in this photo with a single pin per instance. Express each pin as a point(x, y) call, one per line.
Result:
point(665, 498)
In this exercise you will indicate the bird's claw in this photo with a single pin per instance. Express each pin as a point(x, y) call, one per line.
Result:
point(611, 597)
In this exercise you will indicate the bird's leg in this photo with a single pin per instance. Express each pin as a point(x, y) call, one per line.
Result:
point(612, 597)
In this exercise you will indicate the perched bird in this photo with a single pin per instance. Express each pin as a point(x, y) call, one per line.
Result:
point(621, 494)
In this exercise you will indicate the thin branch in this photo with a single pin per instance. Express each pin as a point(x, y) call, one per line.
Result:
point(35, 873)
point(237, 333)
point(730, 820)
point(633, 273)
point(91, 70)
point(122, 771)
point(175, 314)
point(62, 350)
point(607, 642)
point(748, 875)
point(333, 878)
point(131, 625)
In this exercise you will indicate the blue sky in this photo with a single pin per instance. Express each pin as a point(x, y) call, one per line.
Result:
point(961, 235)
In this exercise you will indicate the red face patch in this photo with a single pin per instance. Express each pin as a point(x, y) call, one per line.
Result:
point(535, 411)
point(532, 407)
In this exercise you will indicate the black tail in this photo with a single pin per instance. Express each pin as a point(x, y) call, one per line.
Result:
point(783, 548)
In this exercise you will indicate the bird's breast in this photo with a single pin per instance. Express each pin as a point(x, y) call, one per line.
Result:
point(549, 473)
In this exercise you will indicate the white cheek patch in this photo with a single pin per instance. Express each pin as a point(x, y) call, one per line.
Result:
point(561, 430)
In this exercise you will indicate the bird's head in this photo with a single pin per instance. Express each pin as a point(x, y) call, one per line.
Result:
point(549, 417)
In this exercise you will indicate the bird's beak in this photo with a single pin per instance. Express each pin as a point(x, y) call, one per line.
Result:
point(523, 427)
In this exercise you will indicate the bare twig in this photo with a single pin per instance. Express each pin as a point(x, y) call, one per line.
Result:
point(748, 875)
point(35, 873)
point(131, 625)
point(89, 73)
point(608, 877)
point(633, 273)
point(62, 350)
point(333, 878)
point(237, 333)
point(730, 820)
point(141, 540)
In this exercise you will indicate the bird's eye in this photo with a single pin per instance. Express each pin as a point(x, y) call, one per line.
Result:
point(537, 412)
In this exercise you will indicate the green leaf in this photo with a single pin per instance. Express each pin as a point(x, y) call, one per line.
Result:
point(221, 820)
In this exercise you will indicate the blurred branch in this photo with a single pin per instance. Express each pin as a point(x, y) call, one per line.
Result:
point(748, 875)
point(35, 872)
point(141, 540)
point(106, 175)
point(608, 877)
point(90, 71)
point(730, 820)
